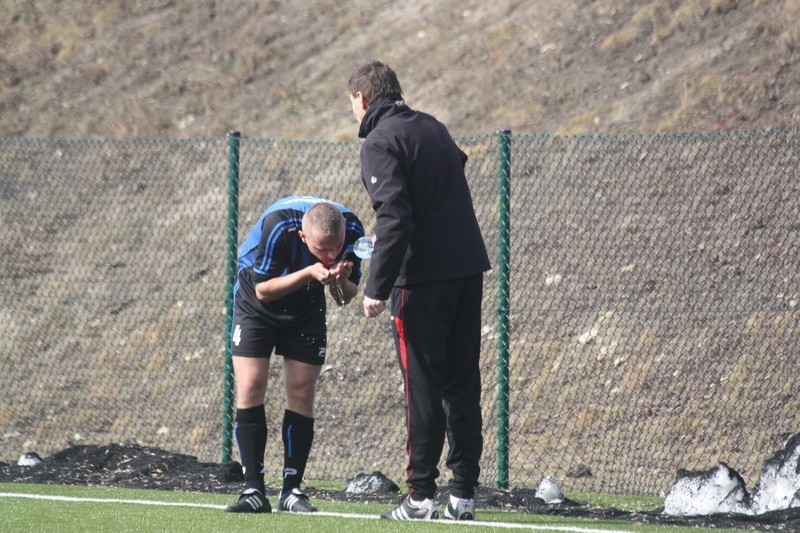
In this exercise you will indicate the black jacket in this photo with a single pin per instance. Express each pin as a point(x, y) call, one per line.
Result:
point(426, 226)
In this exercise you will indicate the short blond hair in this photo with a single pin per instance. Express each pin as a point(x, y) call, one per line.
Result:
point(325, 219)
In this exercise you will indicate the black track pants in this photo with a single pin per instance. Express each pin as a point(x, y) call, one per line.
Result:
point(437, 328)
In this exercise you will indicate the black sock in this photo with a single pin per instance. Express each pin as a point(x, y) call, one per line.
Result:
point(298, 434)
point(251, 437)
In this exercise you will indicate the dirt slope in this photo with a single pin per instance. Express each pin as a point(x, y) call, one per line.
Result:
point(177, 69)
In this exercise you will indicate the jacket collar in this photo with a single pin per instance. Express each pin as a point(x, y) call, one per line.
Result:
point(379, 109)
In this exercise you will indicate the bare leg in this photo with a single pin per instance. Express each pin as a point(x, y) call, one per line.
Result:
point(300, 380)
point(252, 374)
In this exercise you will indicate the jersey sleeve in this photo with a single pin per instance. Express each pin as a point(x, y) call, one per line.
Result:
point(272, 258)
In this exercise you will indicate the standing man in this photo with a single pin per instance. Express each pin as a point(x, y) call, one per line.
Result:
point(295, 249)
point(430, 257)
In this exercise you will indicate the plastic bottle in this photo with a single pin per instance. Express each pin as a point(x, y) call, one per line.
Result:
point(363, 247)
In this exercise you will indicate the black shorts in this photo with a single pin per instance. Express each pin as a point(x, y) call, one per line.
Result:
point(255, 337)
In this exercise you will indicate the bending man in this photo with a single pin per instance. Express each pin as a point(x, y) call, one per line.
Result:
point(295, 249)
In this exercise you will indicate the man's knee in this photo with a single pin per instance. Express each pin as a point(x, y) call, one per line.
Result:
point(301, 383)
point(251, 381)
point(249, 394)
point(300, 399)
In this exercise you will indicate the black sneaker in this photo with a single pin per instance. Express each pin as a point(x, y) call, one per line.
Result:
point(251, 501)
point(411, 510)
point(295, 501)
point(460, 509)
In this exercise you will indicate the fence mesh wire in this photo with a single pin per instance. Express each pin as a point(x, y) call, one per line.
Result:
point(653, 304)
point(654, 299)
point(110, 272)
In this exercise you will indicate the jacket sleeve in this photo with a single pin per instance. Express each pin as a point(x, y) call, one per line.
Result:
point(464, 157)
point(386, 183)
point(354, 230)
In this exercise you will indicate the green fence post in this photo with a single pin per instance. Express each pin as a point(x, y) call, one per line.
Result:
point(232, 260)
point(503, 308)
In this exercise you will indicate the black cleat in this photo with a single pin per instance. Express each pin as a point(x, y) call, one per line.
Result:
point(251, 501)
point(295, 501)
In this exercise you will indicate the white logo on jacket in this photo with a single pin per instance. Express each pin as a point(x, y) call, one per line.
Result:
point(373, 180)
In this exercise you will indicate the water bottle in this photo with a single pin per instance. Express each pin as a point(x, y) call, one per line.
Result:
point(363, 247)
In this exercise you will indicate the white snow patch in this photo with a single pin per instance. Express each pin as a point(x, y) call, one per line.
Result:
point(722, 490)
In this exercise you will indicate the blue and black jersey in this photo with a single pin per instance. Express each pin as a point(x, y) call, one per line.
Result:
point(273, 248)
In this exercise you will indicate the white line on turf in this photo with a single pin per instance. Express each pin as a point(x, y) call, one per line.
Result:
point(107, 500)
point(475, 523)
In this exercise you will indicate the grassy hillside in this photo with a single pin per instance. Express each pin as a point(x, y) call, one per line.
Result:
point(175, 69)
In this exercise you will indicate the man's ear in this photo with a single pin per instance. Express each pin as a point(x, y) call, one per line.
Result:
point(362, 100)
point(301, 235)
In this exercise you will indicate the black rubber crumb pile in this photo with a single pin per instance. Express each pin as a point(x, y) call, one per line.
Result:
point(133, 466)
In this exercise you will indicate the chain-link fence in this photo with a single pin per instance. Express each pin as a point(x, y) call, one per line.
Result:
point(642, 314)
point(110, 276)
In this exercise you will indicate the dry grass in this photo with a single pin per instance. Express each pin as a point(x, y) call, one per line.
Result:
point(177, 70)
point(789, 38)
point(579, 125)
point(647, 19)
point(722, 6)
point(684, 17)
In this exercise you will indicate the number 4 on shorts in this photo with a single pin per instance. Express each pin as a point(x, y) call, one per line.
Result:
point(237, 335)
